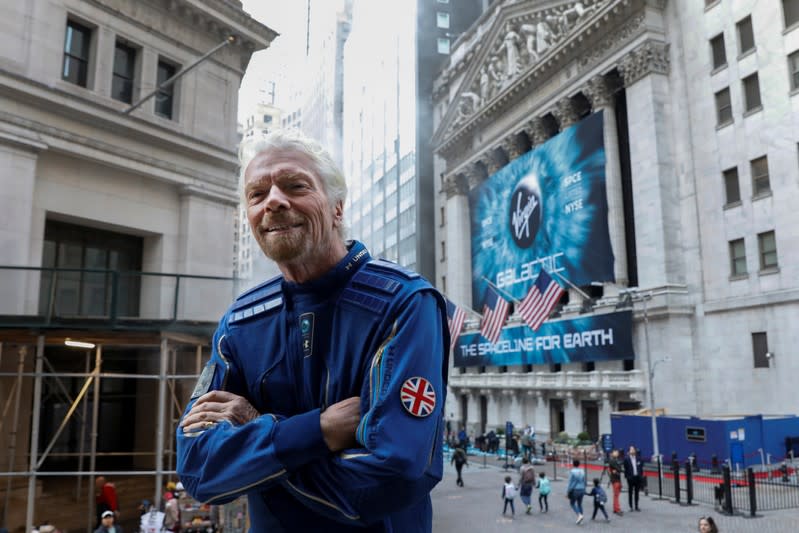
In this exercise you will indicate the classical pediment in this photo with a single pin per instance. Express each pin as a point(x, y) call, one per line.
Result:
point(521, 35)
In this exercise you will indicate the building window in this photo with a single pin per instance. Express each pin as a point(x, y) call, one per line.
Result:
point(737, 258)
point(717, 49)
point(443, 251)
point(124, 64)
point(760, 349)
point(89, 293)
point(723, 107)
point(760, 180)
point(165, 99)
point(76, 54)
point(443, 217)
point(731, 188)
point(767, 245)
point(790, 9)
point(444, 284)
point(793, 69)
point(746, 38)
point(442, 20)
point(442, 45)
point(751, 92)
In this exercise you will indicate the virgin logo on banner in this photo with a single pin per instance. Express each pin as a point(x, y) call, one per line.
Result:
point(547, 208)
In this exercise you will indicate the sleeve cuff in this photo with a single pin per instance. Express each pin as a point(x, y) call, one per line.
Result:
point(298, 440)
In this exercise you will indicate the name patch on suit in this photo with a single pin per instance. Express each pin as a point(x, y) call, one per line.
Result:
point(306, 331)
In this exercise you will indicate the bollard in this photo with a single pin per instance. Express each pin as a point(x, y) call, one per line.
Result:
point(727, 488)
point(585, 463)
point(750, 477)
point(714, 465)
point(555, 467)
point(689, 483)
point(675, 470)
point(660, 477)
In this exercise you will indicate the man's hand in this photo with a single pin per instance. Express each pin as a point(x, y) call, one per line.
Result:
point(338, 423)
point(216, 406)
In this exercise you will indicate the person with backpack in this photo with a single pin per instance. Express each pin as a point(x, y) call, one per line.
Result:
point(459, 458)
point(508, 494)
point(600, 497)
point(543, 492)
point(526, 482)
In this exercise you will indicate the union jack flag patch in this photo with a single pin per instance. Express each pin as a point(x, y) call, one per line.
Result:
point(418, 396)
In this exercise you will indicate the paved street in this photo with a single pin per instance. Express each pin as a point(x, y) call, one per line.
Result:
point(478, 508)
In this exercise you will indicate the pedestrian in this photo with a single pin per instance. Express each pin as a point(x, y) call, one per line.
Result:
point(576, 489)
point(508, 494)
point(171, 512)
point(634, 472)
point(600, 497)
point(460, 459)
point(543, 492)
point(105, 498)
point(107, 524)
point(614, 473)
point(527, 442)
point(707, 525)
point(526, 482)
point(324, 393)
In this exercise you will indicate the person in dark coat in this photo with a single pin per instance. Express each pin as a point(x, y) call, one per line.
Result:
point(459, 458)
point(634, 472)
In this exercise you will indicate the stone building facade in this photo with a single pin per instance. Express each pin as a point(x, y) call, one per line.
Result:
point(117, 225)
point(701, 133)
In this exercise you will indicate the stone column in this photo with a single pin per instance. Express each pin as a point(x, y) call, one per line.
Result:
point(605, 408)
point(600, 93)
point(459, 246)
point(565, 113)
point(104, 62)
point(492, 160)
point(473, 411)
point(205, 234)
point(496, 419)
point(541, 421)
point(655, 187)
point(515, 409)
point(536, 131)
point(572, 416)
point(511, 147)
point(22, 229)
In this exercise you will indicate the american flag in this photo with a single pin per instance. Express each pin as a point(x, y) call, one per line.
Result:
point(457, 317)
point(538, 303)
point(495, 311)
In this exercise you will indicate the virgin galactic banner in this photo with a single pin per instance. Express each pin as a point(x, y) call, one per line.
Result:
point(598, 337)
point(547, 208)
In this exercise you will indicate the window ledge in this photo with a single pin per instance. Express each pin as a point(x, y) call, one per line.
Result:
point(753, 111)
point(760, 196)
point(731, 205)
point(718, 69)
point(738, 277)
point(725, 124)
point(768, 271)
point(790, 28)
point(748, 53)
point(712, 5)
point(794, 91)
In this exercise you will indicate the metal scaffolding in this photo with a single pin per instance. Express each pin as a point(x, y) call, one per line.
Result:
point(168, 404)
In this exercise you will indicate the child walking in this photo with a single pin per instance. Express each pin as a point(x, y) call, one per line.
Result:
point(543, 492)
point(508, 494)
point(600, 497)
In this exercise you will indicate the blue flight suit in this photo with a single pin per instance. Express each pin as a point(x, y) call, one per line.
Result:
point(363, 329)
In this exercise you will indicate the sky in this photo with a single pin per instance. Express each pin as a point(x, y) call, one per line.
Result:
point(279, 62)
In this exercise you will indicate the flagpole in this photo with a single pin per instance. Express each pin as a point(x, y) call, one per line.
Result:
point(472, 311)
point(572, 285)
point(511, 298)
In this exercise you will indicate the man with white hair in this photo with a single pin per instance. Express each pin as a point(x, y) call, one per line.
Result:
point(322, 400)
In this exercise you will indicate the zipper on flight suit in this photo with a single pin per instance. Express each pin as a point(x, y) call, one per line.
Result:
point(375, 381)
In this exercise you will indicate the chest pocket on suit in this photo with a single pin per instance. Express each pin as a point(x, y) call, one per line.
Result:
point(278, 390)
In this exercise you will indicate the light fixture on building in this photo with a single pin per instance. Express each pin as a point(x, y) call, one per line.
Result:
point(78, 344)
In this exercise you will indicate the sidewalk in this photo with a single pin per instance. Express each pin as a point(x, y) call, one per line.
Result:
point(478, 507)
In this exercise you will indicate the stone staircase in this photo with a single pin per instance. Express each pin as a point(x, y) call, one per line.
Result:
point(56, 503)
